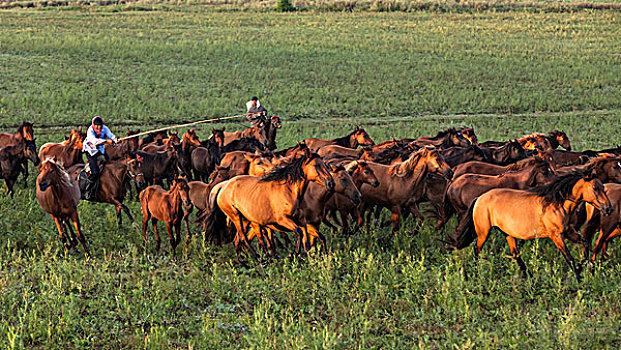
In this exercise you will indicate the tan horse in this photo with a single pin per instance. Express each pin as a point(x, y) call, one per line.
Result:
point(58, 195)
point(401, 184)
point(68, 152)
point(269, 201)
point(168, 206)
point(356, 138)
point(538, 213)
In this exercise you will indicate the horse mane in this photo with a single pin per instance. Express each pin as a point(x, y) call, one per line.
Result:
point(344, 141)
point(24, 125)
point(596, 162)
point(63, 177)
point(407, 167)
point(291, 171)
point(559, 190)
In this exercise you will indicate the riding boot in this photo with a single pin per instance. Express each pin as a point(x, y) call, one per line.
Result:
point(90, 192)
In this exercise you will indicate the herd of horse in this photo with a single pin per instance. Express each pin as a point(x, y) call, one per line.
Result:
point(244, 190)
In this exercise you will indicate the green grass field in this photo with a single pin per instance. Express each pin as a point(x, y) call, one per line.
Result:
point(398, 74)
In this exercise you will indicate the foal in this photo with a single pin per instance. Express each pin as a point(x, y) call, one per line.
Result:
point(168, 206)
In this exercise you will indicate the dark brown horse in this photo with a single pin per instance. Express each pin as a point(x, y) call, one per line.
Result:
point(468, 132)
point(113, 183)
point(25, 132)
point(12, 159)
point(258, 132)
point(444, 139)
point(123, 148)
point(465, 189)
point(68, 152)
point(161, 165)
point(458, 155)
point(537, 213)
point(168, 206)
point(505, 154)
point(558, 138)
point(58, 195)
point(189, 142)
point(172, 140)
point(609, 226)
point(271, 128)
point(203, 160)
point(401, 184)
point(356, 138)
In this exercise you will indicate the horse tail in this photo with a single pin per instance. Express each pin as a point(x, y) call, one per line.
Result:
point(213, 219)
point(465, 232)
point(446, 209)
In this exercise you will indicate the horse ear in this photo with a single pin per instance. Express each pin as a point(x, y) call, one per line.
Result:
point(307, 153)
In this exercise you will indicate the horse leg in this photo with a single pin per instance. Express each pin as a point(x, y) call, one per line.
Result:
point(126, 210)
point(157, 235)
point(418, 217)
point(171, 237)
point(78, 228)
point(145, 220)
point(244, 238)
point(25, 172)
point(599, 243)
point(177, 227)
point(119, 218)
point(71, 234)
point(61, 231)
point(314, 232)
point(395, 218)
point(560, 244)
point(515, 254)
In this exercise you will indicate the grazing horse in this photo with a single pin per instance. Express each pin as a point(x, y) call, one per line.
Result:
point(356, 138)
point(401, 184)
point(58, 195)
point(12, 159)
point(113, 182)
point(25, 132)
point(444, 139)
point(270, 201)
point(68, 152)
point(537, 213)
point(168, 206)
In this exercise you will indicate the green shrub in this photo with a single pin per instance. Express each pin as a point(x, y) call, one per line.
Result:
point(284, 6)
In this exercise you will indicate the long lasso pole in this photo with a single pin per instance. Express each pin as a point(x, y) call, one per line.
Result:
point(186, 125)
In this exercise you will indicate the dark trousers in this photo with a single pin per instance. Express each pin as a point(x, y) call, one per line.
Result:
point(92, 163)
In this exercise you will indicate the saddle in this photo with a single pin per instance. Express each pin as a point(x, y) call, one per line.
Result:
point(89, 189)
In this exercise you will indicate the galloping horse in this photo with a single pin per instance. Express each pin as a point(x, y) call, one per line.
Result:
point(268, 201)
point(168, 206)
point(356, 138)
point(538, 213)
point(68, 152)
point(113, 182)
point(401, 184)
point(58, 195)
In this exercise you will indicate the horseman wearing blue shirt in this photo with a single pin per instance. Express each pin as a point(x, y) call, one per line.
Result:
point(96, 137)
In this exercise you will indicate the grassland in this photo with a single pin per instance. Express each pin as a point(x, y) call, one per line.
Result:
point(399, 75)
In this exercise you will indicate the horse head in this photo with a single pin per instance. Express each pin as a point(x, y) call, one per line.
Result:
point(362, 138)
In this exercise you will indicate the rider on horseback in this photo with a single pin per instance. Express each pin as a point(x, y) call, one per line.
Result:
point(255, 110)
point(97, 135)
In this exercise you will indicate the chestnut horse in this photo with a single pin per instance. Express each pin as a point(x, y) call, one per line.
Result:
point(68, 152)
point(538, 213)
point(270, 201)
point(609, 226)
point(123, 148)
point(446, 138)
point(401, 184)
point(258, 132)
point(356, 138)
point(168, 206)
point(58, 195)
point(172, 140)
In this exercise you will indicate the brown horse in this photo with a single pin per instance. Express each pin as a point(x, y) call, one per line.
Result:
point(401, 184)
point(458, 155)
point(465, 189)
point(356, 138)
point(58, 195)
point(558, 138)
point(271, 128)
point(168, 206)
point(537, 213)
point(113, 183)
point(12, 160)
point(468, 133)
point(506, 154)
point(25, 132)
point(189, 142)
point(361, 173)
point(68, 152)
point(123, 148)
point(268, 201)
point(609, 226)
point(172, 140)
point(258, 132)
point(447, 138)
point(159, 166)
